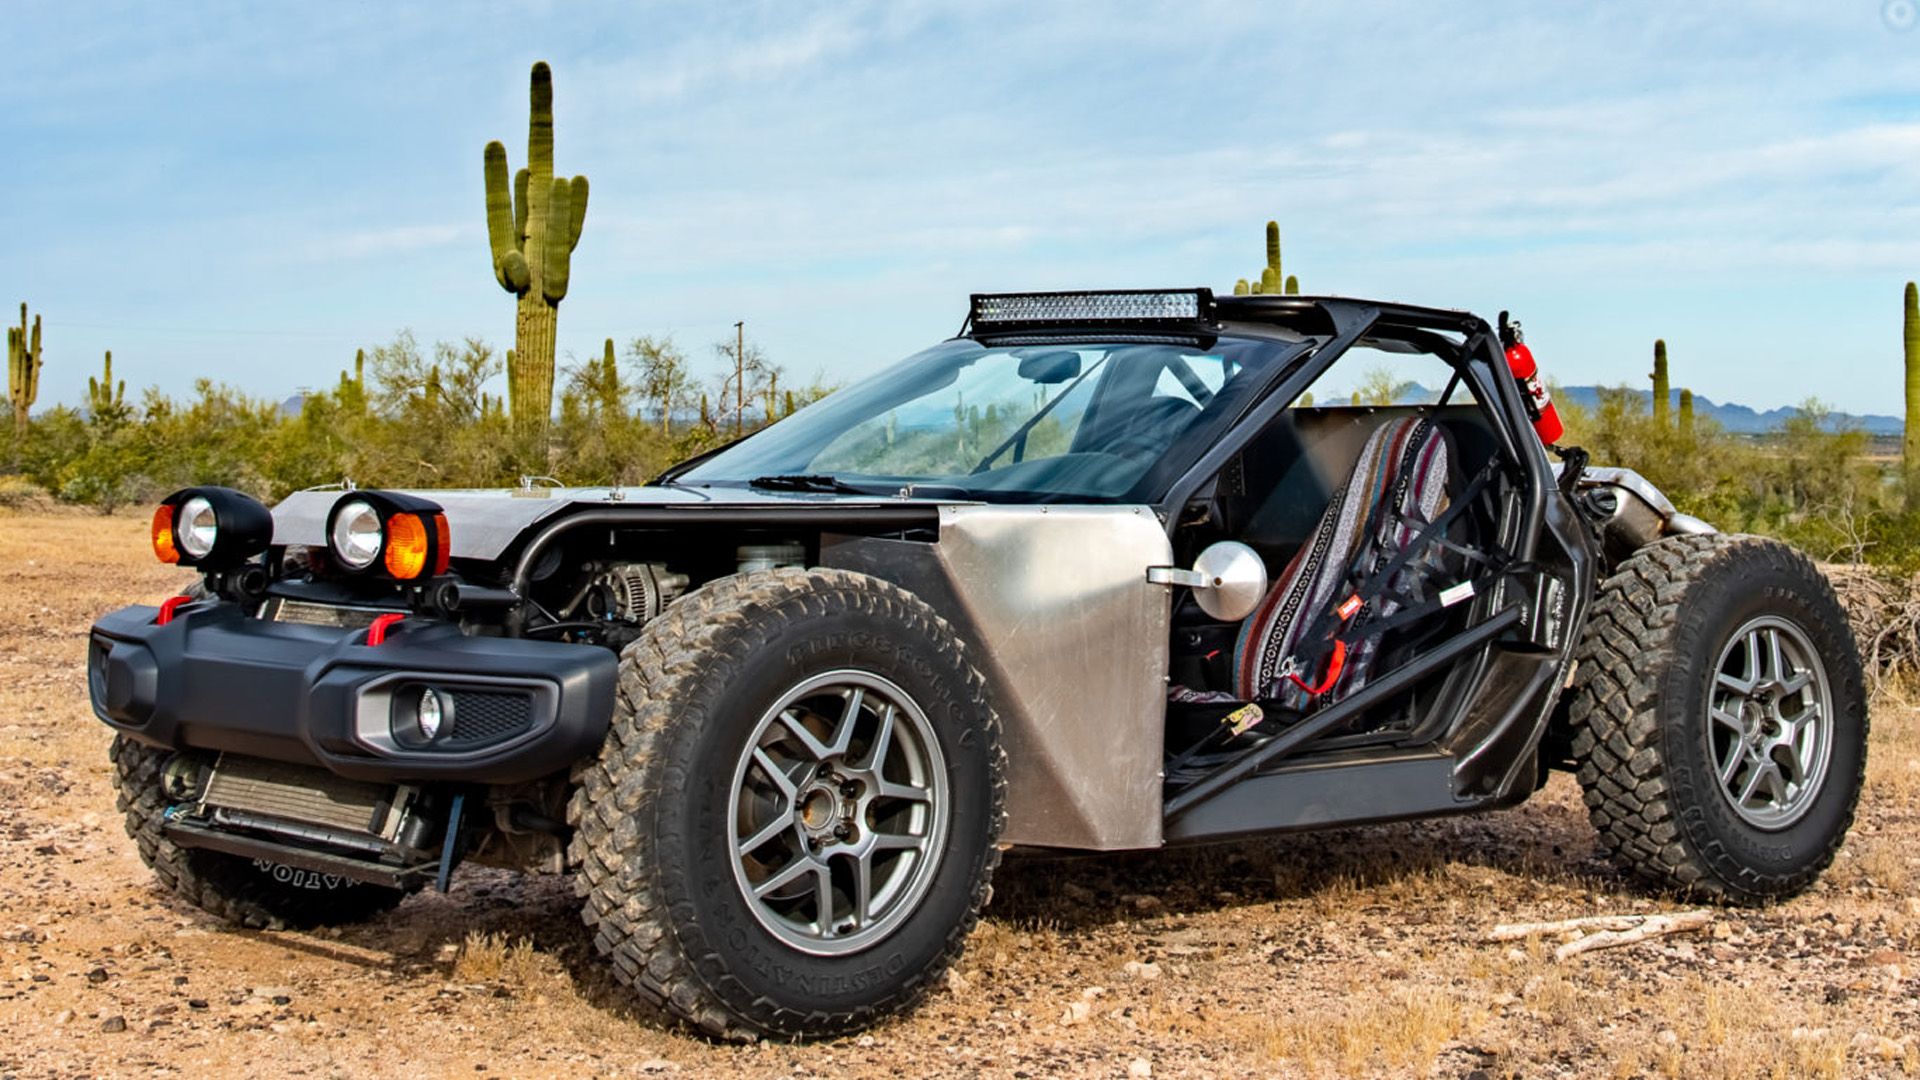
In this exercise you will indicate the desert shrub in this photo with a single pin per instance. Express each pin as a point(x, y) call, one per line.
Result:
point(422, 418)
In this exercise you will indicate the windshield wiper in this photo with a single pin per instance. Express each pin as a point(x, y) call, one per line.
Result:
point(806, 482)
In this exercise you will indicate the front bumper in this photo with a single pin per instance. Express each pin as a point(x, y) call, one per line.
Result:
point(216, 679)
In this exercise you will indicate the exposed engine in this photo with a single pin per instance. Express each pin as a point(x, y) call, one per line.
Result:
point(624, 593)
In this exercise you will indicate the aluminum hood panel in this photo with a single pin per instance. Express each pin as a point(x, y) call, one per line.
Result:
point(485, 522)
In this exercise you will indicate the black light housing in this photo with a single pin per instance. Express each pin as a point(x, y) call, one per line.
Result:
point(388, 533)
point(210, 528)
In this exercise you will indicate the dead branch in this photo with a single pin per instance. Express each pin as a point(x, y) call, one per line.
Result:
point(1654, 926)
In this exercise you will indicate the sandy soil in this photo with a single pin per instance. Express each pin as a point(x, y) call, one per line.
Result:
point(1354, 952)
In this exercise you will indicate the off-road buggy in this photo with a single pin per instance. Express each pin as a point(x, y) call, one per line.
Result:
point(1099, 573)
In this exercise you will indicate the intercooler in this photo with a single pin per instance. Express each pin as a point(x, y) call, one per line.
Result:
point(309, 818)
point(306, 802)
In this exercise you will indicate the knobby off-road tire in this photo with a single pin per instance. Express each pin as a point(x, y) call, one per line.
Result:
point(680, 820)
point(262, 896)
point(1695, 644)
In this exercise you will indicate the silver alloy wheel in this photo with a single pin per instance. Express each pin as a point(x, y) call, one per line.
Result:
point(838, 812)
point(1770, 722)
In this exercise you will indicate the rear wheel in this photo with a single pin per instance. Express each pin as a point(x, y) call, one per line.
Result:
point(1719, 717)
point(246, 892)
point(792, 826)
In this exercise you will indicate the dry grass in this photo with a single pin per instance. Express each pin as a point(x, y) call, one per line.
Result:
point(1357, 952)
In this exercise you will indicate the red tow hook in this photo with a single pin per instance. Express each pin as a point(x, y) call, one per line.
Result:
point(168, 606)
point(377, 633)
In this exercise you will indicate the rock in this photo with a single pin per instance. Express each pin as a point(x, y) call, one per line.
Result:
point(1667, 1037)
point(113, 1025)
point(957, 982)
point(97, 975)
point(1076, 1012)
point(1878, 1046)
point(1146, 905)
point(1139, 1068)
point(658, 1065)
point(1092, 992)
point(867, 1042)
point(1807, 1034)
point(1145, 971)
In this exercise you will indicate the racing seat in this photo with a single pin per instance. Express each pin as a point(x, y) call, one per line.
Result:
point(1316, 634)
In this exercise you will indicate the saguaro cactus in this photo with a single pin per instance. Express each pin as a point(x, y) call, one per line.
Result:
point(1686, 413)
point(1910, 451)
point(106, 400)
point(533, 228)
point(1272, 280)
point(23, 369)
point(353, 389)
point(1662, 390)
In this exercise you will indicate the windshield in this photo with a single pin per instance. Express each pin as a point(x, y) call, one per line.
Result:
point(1081, 421)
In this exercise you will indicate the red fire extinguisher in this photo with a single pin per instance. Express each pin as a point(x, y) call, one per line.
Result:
point(1546, 419)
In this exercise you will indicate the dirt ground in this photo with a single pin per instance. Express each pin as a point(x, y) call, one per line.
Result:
point(1359, 952)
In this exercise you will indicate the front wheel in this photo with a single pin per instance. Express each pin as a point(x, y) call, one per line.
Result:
point(1720, 720)
point(792, 826)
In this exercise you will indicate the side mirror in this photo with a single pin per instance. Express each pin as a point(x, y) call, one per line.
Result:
point(1228, 580)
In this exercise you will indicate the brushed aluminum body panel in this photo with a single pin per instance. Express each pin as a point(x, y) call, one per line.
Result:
point(1075, 640)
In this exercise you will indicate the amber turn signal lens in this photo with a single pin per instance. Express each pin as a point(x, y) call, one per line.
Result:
point(407, 546)
point(163, 548)
point(443, 549)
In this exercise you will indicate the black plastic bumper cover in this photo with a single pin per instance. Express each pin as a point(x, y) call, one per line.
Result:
point(214, 678)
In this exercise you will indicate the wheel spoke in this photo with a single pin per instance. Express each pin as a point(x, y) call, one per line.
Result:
point(787, 875)
point(1760, 770)
point(1736, 753)
point(823, 899)
point(882, 742)
point(1776, 662)
point(776, 774)
point(781, 823)
point(798, 727)
point(843, 734)
point(887, 789)
point(898, 842)
point(1727, 719)
point(863, 889)
point(1739, 687)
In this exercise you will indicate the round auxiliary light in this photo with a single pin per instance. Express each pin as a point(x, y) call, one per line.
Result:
point(210, 528)
point(430, 714)
point(357, 535)
point(196, 527)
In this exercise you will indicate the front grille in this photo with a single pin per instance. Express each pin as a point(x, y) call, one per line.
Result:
point(482, 717)
point(312, 614)
point(297, 793)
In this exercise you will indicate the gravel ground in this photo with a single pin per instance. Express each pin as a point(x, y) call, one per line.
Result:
point(1361, 951)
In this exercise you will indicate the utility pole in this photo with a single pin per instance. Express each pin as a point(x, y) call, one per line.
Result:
point(739, 373)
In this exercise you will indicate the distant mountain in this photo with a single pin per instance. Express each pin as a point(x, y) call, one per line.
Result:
point(1739, 419)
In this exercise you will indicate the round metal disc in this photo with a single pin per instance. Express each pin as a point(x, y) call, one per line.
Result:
point(1236, 580)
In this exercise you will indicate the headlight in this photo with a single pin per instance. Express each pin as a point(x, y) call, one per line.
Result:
point(213, 528)
point(357, 536)
point(404, 535)
point(196, 527)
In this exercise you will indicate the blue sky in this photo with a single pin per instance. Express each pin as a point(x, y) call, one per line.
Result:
point(248, 191)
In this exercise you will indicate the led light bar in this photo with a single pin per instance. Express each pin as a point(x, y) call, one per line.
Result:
point(1147, 309)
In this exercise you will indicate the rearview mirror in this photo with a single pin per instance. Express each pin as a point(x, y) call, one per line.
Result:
point(1049, 368)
